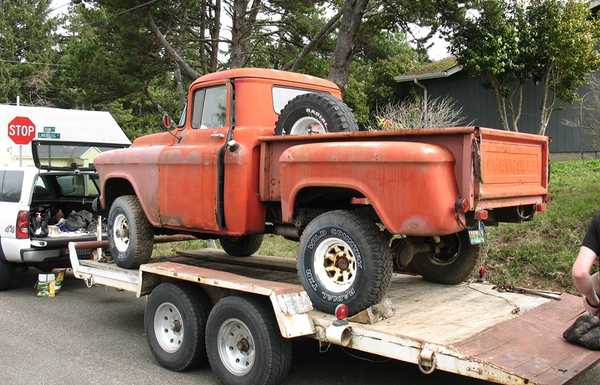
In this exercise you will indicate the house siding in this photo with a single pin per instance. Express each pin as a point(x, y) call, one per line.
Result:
point(479, 106)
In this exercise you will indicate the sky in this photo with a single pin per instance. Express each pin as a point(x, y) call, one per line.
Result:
point(437, 51)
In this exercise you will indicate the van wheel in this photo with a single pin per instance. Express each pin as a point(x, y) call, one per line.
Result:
point(130, 235)
point(344, 258)
point(241, 246)
point(315, 113)
point(175, 323)
point(243, 343)
point(7, 271)
point(451, 262)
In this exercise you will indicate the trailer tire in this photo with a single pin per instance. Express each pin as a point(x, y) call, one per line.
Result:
point(130, 235)
point(344, 245)
point(7, 271)
point(176, 311)
point(452, 263)
point(315, 113)
point(246, 327)
point(243, 246)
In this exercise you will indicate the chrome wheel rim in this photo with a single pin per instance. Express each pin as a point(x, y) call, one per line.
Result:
point(236, 347)
point(121, 233)
point(307, 125)
point(168, 327)
point(335, 265)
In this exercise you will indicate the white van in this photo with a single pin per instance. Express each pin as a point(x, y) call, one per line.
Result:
point(50, 202)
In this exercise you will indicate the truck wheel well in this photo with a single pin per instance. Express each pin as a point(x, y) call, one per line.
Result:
point(114, 188)
point(313, 201)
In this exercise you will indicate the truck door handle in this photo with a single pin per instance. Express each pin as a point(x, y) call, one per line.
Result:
point(217, 135)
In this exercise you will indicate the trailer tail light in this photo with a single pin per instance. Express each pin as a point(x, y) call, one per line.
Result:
point(540, 207)
point(482, 215)
point(22, 227)
point(341, 312)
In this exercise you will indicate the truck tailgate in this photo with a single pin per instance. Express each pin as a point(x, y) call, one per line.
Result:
point(512, 168)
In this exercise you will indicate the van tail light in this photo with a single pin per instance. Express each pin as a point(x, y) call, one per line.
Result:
point(22, 228)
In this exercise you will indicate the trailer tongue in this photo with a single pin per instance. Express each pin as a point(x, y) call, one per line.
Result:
point(470, 329)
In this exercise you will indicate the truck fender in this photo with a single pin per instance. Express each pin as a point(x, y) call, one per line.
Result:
point(410, 185)
point(151, 210)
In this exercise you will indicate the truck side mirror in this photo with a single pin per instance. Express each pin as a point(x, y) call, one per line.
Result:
point(167, 123)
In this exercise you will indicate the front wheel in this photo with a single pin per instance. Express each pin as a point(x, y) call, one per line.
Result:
point(451, 261)
point(243, 343)
point(344, 258)
point(130, 235)
point(6, 274)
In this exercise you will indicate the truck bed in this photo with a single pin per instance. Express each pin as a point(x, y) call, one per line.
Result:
point(493, 168)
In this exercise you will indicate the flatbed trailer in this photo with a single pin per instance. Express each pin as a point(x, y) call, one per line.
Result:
point(470, 329)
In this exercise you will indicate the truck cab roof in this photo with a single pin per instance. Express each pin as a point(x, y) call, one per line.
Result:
point(265, 73)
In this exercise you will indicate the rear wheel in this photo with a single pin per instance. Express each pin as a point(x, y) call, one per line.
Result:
point(344, 258)
point(243, 343)
point(241, 246)
point(6, 274)
point(130, 235)
point(315, 113)
point(175, 322)
point(452, 260)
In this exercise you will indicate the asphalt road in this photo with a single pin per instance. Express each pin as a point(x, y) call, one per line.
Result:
point(95, 336)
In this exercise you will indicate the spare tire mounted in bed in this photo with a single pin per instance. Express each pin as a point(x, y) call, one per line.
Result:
point(315, 113)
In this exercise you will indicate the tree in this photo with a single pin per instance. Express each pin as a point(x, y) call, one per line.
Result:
point(509, 43)
point(27, 57)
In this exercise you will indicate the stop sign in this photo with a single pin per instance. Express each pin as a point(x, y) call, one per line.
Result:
point(21, 130)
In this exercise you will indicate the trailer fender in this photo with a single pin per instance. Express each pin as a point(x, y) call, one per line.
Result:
point(410, 185)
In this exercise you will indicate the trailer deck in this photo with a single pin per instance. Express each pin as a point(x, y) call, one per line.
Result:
point(469, 329)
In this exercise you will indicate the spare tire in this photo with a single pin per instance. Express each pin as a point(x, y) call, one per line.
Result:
point(315, 113)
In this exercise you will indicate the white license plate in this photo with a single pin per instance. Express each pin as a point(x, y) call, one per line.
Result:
point(477, 234)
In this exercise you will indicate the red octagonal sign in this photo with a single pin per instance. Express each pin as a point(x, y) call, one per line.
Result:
point(21, 130)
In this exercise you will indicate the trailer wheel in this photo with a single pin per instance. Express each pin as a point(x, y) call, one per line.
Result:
point(241, 246)
point(175, 322)
point(315, 113)
point(243, 343)
point(6, 274)
point(451, 262)
point(130, 235)
point(344, 258)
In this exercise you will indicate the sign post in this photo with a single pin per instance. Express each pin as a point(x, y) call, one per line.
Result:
point(21, 130)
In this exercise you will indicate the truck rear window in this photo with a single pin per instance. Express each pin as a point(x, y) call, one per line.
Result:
point(11, 183)
point(282, 95)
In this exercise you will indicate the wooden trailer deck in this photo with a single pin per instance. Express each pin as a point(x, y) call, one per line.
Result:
point(500, 337)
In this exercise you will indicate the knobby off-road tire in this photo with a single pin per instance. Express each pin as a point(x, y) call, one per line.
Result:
point(344, 258)
point(241, 246)
point(323, 112)
point(7, 271)
point(175, 325)
point(130, 235)
point(452, 262)
point(244, 345)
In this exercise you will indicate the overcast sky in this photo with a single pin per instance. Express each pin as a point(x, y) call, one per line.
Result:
point(438, 50)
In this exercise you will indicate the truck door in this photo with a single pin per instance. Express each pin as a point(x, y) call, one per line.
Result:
point(188, 167)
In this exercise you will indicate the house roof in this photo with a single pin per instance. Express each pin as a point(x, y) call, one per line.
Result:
point(434, 70)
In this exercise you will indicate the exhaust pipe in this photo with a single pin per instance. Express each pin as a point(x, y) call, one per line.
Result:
point(339, 334)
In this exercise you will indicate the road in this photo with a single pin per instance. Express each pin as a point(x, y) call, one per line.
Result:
point(95, 336)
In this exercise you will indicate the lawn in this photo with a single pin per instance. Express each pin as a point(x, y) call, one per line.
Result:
point(533, 254)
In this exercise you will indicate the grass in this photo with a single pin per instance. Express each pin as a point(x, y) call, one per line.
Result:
point(533, 254)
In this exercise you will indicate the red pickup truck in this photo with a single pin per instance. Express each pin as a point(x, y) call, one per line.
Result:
point(262, 151)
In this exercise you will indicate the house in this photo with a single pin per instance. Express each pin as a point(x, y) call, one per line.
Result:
point(448, 78)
